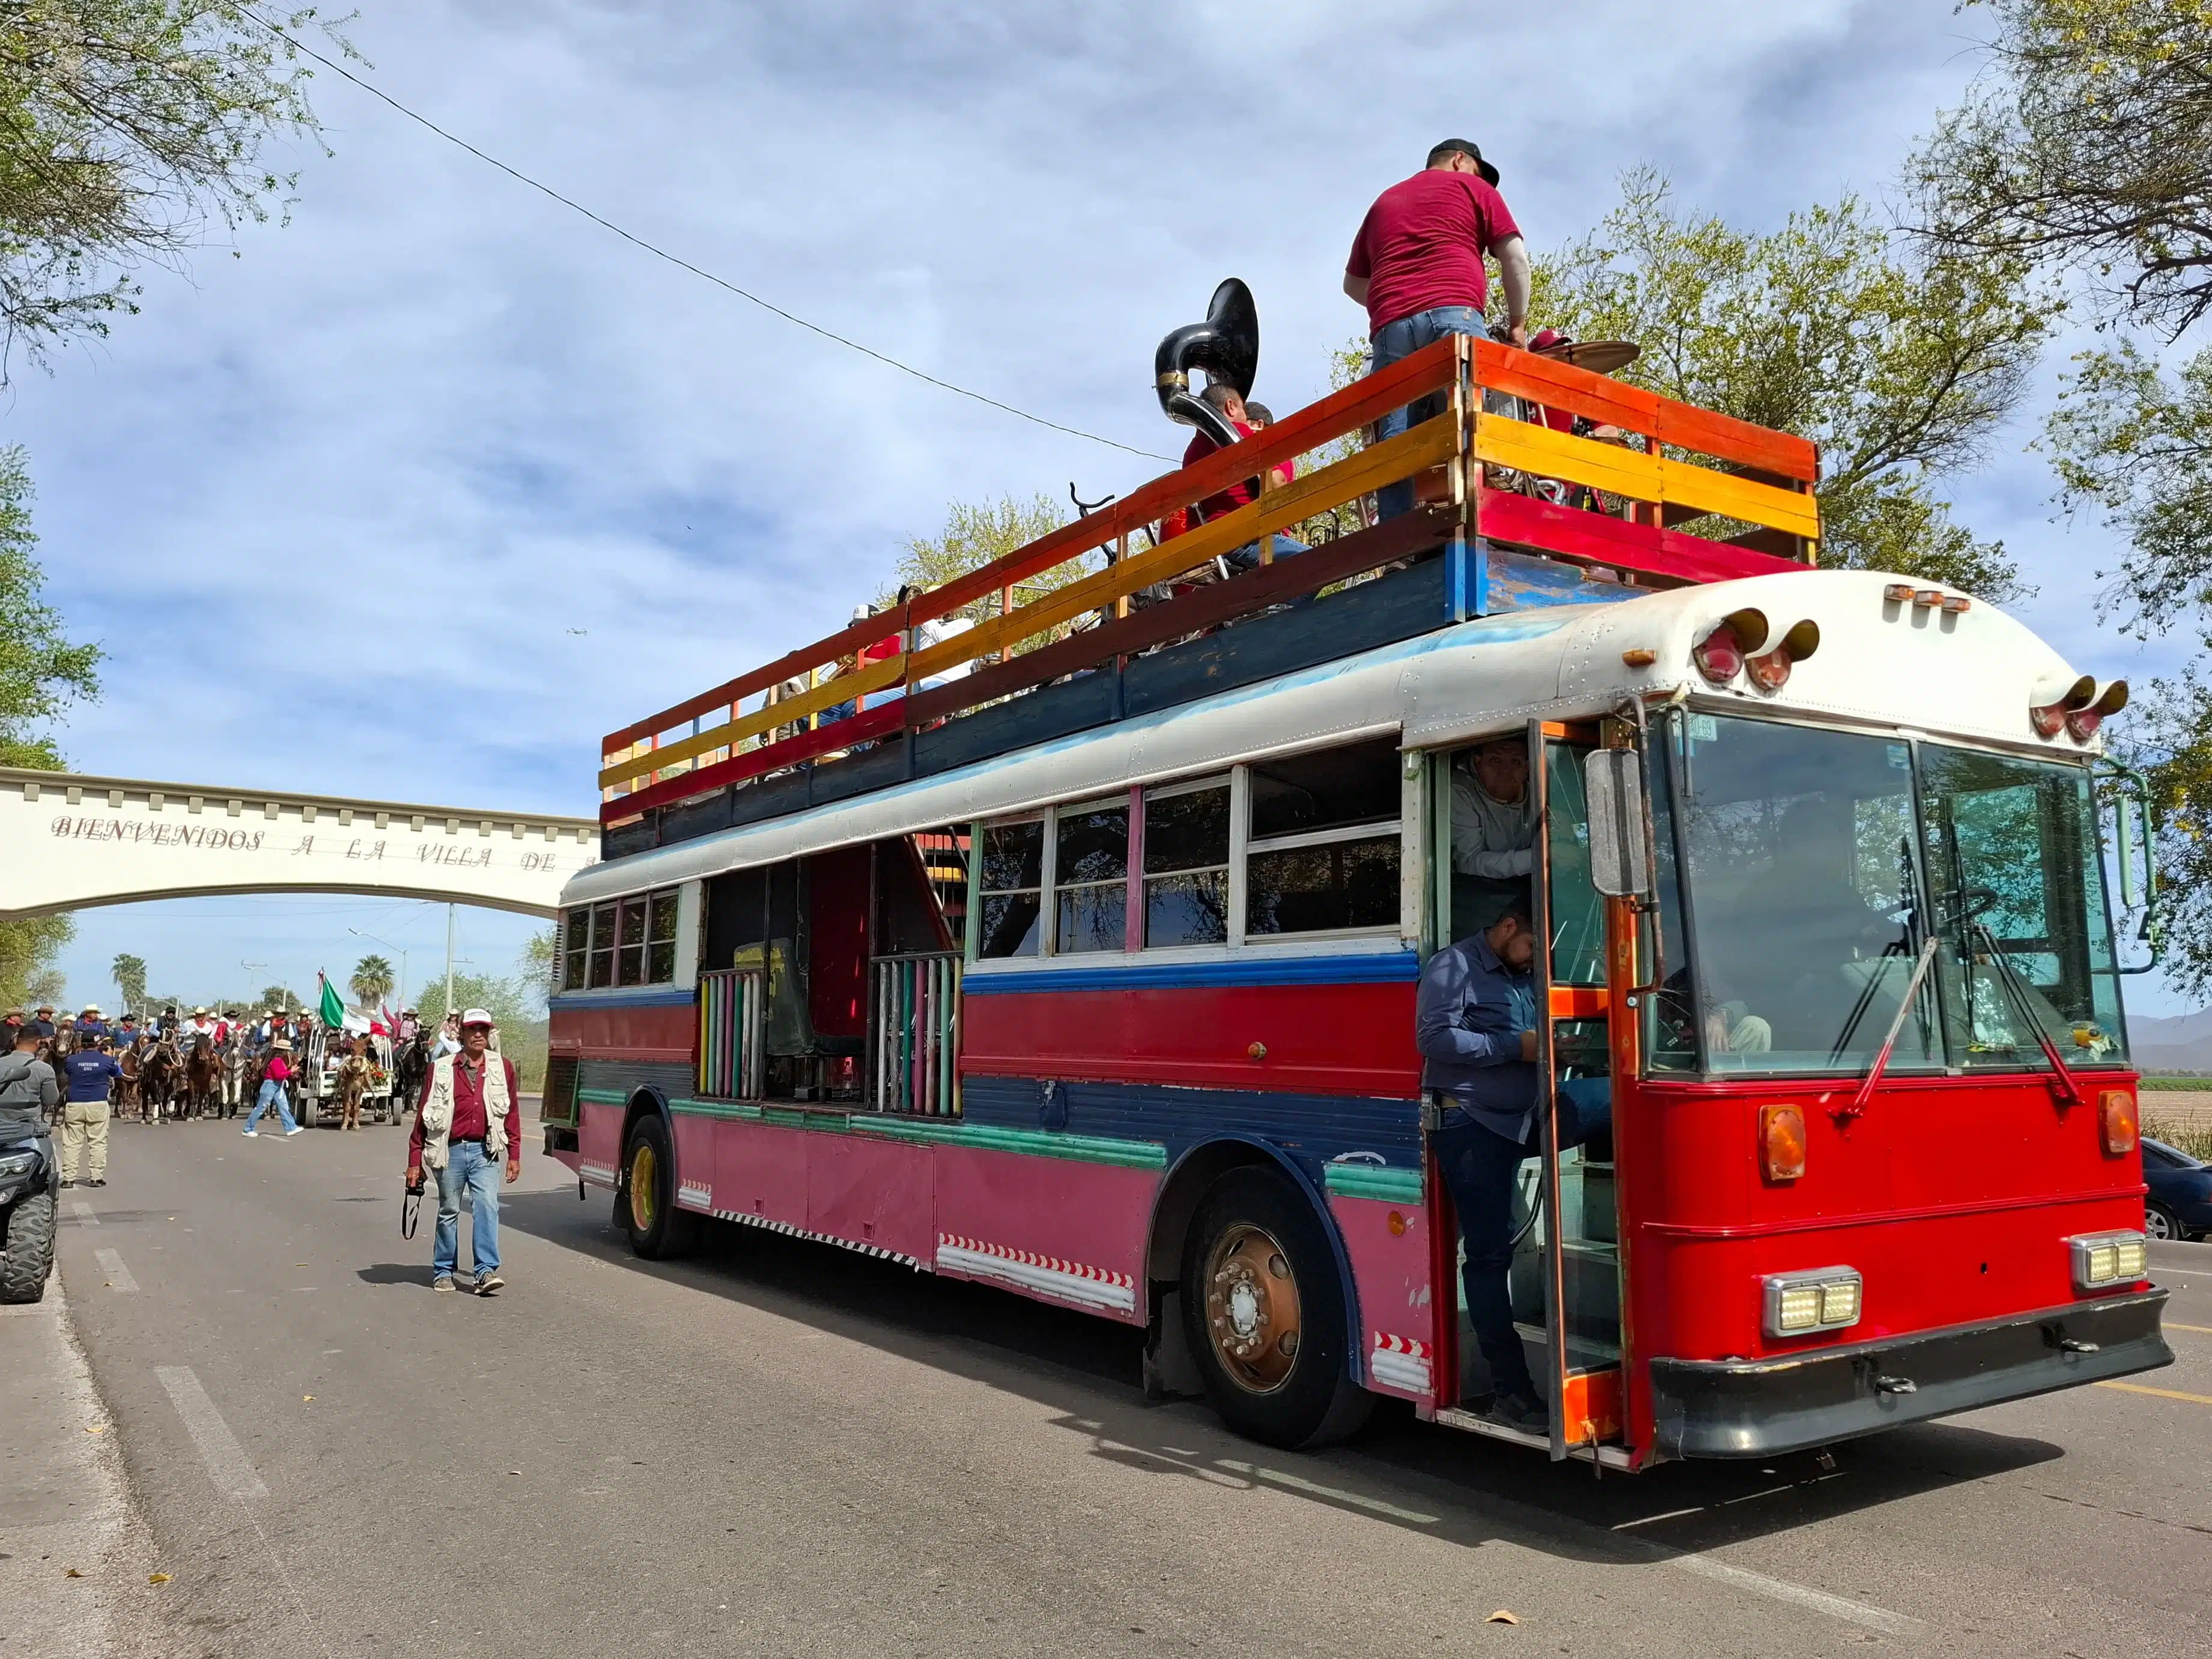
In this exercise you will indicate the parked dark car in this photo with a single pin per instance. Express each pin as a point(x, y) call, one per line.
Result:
point(29, 1184)
point(2180, 1205)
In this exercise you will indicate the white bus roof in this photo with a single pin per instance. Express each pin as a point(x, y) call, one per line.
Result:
point(1969, 675)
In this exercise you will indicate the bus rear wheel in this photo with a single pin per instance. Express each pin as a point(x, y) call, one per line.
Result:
point(1265, 1315)
point(645, 1205)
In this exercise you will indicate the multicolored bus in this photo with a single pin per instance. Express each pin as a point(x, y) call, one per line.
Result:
point(1088, 971)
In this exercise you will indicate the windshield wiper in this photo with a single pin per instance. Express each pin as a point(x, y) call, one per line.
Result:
point(1881, 1056)
point(2062, 1081)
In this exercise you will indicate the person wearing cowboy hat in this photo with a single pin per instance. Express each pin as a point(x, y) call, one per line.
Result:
point(91, 1025)
point(273, 1079)
point(201, 1026)
point(1417, 265)
point(468, 1118)
point(44, 1024)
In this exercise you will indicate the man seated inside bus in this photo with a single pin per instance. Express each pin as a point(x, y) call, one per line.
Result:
point(1230, 401)
point(1493, 833)
point(1475, 1022)
point(1781, 966)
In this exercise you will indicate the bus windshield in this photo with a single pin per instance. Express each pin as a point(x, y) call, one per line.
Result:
point(1816, 865)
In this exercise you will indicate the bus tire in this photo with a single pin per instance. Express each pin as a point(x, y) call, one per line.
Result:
point(645, 1205)
point(1264, 1310)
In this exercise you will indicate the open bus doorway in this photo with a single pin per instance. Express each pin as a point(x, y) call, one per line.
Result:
point(1564, 1281)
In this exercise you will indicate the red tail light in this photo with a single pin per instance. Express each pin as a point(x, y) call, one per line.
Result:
point(1719, 655)
point(2116, 1121)
point(1781, 1142)
point(1770, 671)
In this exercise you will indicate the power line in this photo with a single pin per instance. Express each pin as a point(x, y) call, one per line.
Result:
point(685, 264)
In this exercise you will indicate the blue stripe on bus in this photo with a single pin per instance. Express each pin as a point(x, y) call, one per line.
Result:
point(1396, 966)
point(654, 999)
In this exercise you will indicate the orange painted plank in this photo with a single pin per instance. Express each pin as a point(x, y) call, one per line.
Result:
point(1725, 438)
point(1579, 1002)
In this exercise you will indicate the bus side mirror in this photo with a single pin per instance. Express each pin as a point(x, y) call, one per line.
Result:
point(1613, 780)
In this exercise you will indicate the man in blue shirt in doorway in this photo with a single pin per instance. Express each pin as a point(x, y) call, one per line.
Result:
point(1475, 1022)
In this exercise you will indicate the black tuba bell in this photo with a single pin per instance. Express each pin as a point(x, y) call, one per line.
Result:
point(1226, 345)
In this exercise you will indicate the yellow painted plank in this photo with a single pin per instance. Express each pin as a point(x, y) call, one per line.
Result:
point(1425, 446)
point(873, 678)
point(1529, 448)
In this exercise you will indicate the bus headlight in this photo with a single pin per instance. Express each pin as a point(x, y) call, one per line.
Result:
point(1825, 1299)
point(2104, 1260)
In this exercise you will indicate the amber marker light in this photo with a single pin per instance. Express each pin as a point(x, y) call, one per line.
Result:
point(1781, 1142)
point(2116, 1121)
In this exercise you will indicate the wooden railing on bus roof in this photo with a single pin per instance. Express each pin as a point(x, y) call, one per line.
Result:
point(1764, 479)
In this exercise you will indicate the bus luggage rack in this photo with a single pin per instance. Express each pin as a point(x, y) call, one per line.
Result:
point(915, 1031)
point(1497, 483)
point(731, 1064)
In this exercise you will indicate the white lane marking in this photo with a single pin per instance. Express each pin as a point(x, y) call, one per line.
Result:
point(83, 1211)
point(119, 1276)
point(226, 1459)
point(1781, 1590)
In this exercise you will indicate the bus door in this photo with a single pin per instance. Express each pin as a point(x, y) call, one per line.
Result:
point(1565, 1281)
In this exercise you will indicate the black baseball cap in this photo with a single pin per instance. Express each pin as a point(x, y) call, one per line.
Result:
point(1467, 148)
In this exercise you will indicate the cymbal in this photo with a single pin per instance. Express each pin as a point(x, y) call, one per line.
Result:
point(1599, 356)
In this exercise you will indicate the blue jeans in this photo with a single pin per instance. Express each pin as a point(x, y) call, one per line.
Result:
point(1402, 339)
point(272, 1094)
point(1480, 1166)
point(1247, 557)
point(466, 1167)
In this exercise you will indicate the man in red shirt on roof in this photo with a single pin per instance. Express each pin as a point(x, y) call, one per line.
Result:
point(1226, 400)
point(1417, 265)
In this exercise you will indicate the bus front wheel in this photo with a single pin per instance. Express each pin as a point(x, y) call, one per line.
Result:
point(646, 1204)
point(1265, 1314)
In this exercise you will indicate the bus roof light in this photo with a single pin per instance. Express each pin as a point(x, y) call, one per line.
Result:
point(1898, 594)
point(1958, 603)
point(1719, 656)
point(1770, 671)
point(1928, 598)
point(2052, 699)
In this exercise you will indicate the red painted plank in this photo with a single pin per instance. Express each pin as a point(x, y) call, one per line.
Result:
point(872, 722)
point(1522, 521)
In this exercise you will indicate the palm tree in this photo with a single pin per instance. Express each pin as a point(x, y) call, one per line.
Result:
point(372, 980)
point(129, 973)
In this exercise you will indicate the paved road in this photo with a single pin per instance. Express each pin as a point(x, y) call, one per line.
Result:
point(783, 1449)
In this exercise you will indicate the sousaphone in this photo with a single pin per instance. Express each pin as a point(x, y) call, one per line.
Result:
point(1226, 346)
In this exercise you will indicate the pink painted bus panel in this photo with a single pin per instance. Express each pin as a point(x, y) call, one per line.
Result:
point(872, 1193)
point(661, 1033)
point(760, 1170)
point(1397, 1306)
point(697, 1148)
point(1055, 1229)
point(598, 1135)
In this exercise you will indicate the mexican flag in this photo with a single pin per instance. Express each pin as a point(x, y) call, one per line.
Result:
point(334, 1013)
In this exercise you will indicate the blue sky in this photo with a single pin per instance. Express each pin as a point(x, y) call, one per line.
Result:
point(336, 500)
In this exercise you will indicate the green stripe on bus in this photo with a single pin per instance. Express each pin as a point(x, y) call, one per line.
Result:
point(602, 1097)
point(728, 1108)
point(1372, 1181)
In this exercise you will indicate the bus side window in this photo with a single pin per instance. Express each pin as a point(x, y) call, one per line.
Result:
point(1578, 912)
point(1011, 893)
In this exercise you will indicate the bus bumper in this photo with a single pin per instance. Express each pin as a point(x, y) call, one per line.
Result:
point(1758, 1408)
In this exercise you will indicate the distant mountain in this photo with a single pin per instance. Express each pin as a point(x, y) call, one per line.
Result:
point(2176, 1042)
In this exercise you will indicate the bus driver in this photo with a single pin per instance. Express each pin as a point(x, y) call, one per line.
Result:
point(1475, 1022)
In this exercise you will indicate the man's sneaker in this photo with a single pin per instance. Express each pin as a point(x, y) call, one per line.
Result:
point(66, 1182)
point(1521, 1411)
point(442, 1282)
point(250, 1134)
point(289, 1133)
point(101, 1183)
point(489, 1283)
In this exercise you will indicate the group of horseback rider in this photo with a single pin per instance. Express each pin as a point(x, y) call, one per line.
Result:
point(211, 1064)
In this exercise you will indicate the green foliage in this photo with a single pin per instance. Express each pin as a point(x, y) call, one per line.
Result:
point(129, 973)
point(128, 127)
point(1901, 369)
point(48, 984)
point(2086, 142)
point(41, 672)
point(27, 951)
point(276, 996)
point(2168, 738)
point(2136, 443)
point(512, 1005)
point(975, 534)
point(372, 981)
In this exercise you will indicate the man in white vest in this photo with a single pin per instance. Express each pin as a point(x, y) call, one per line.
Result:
point(468, 1122)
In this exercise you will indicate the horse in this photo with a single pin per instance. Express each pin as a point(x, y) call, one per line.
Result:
point(237, 1067)
point(159, 1074)
point(127, 1101)
point(411, 1066)
point(203, 1079)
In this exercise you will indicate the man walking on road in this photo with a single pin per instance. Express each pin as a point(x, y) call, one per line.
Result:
point(92, 1074)
point(467, 1119)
